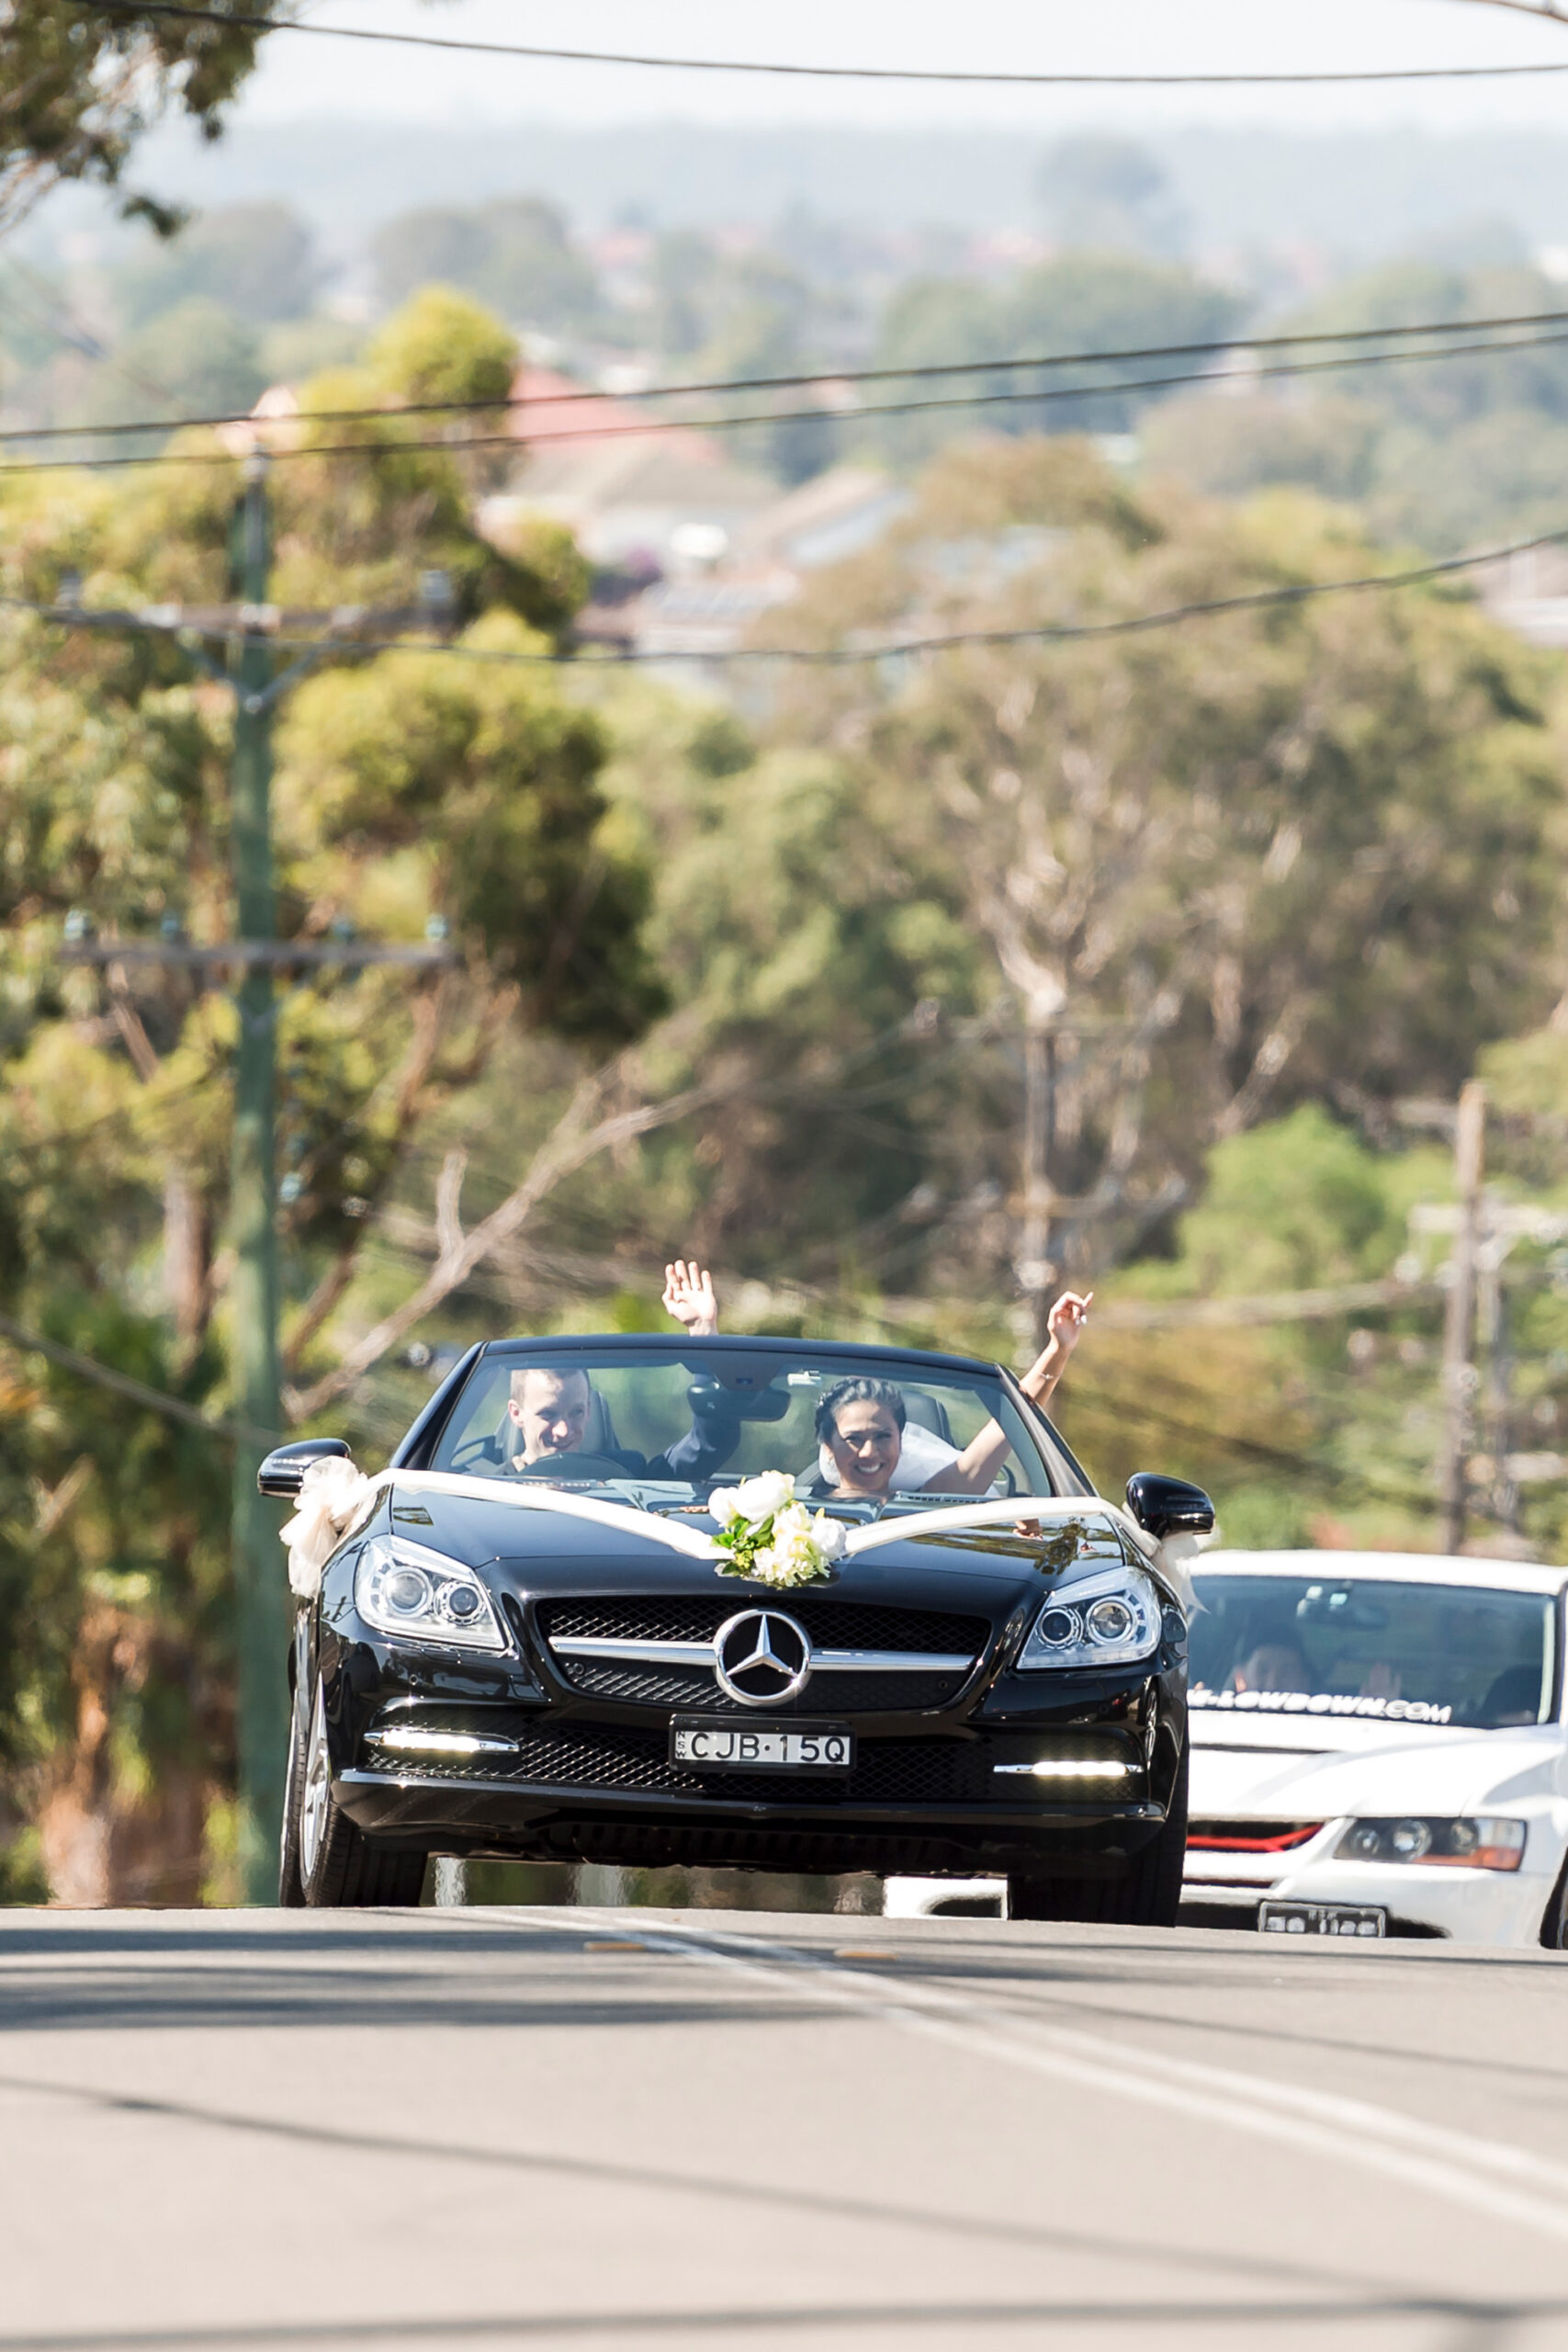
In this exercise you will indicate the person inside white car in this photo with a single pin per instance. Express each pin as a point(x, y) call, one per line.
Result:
point(1274, 1663)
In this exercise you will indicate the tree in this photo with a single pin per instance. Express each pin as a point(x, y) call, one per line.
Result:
point(79, 83)
point(514, 255)
point(1105, 194)
point(1073, 302)
point(1305, 853)
point(1449, 452)
point(410, 788)
point(257, 260)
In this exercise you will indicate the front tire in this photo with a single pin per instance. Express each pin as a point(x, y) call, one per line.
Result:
point(1149, 1894)
point(339, 1867)
point(291, 1886)
point(1554, 1927)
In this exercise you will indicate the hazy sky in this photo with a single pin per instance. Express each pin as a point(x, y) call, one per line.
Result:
point(302, 74)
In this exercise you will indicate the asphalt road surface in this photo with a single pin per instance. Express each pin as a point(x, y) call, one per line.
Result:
point(704, 2128)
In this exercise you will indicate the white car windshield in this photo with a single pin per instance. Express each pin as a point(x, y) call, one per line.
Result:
point(1367, 1646)
point(675, 1420)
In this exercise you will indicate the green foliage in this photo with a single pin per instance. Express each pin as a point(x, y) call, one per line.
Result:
point(491, 779)
point(83, 80)
point(440, 347)
point(256, 260)
point(409, 788)
point(514, 254)
point(1077, 301)
point(208, 362)
point(1310, 851)
point(1262, 1518)
point(1446, 452)
point(1296, 1205)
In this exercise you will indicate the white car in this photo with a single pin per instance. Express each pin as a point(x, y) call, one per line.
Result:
point(1379, 1747)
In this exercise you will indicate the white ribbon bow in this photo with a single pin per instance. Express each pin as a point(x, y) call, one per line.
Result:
point(332, 1495)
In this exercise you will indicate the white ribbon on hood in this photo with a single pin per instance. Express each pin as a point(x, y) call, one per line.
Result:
point(335, 1498)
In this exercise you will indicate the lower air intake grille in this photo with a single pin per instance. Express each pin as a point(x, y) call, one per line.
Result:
point(893, 1771)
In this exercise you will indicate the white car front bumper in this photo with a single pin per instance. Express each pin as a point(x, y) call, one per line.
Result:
point(1470, 1907)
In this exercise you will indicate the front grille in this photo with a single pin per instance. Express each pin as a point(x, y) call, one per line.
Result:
point(633, 1684)
point(832, 1624)
point(1249, 1837)
point(901, 1771)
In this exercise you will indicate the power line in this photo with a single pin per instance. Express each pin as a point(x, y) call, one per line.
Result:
point(840, 657)
point(224, 19)
point(451, 446)
point(831, 376)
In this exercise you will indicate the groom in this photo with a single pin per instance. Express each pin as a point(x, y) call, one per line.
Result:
point(551, 1404)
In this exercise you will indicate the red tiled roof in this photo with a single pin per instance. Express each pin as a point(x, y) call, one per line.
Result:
point(543, 408)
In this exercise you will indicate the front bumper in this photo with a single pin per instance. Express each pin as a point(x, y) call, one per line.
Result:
point(587, 1779)
point(1466, 1906)
point(509, 1820)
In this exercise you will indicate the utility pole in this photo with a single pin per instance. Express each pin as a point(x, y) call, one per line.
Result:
point(253, 957)
point(261, 1594)
point(1035, 1272)
point(1459, 1322)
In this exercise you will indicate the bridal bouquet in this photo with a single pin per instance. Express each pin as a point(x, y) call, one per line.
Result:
point(770, 1536)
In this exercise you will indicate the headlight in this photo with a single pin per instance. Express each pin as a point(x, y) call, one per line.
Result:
point(402, 1588)
point(1485, 1843)
point(1104, 1620)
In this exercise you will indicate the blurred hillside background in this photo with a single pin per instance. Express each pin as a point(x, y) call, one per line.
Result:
point(774, 968)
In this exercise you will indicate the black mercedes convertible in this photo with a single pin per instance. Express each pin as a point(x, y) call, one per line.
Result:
point(536, 1636)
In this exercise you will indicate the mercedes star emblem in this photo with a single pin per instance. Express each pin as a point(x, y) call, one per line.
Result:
point(761, 1657)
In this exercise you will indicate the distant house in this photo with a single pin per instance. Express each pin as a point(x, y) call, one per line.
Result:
point(1527, 592)
point(630, 489)
point(718, 544)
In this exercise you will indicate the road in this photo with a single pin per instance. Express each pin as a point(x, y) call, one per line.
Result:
point(625, 2128)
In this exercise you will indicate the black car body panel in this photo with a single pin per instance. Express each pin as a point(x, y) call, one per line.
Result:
point(572, 1756)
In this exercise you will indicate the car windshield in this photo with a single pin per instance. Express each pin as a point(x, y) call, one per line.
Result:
point(674, 1421)
point(1368, 1646)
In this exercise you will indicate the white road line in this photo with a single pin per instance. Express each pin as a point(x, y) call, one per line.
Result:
point(1476, 2173)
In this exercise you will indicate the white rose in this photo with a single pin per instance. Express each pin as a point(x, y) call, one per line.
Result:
point(787, 1564)
point(829, 1537)
point(725, 1505)
point(759, 1498)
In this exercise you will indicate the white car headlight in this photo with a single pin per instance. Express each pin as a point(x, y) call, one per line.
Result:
point(1108, 1619)
point(402, 1588)
point(1484, 1842)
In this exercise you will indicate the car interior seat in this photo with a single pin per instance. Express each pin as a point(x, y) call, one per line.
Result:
point(1513, 1694)
point(927, 1413)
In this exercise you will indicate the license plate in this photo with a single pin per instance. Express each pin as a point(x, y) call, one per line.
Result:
point(1322, 1920)
point(723, 1747)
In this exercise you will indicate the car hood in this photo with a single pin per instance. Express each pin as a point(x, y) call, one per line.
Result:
point(539, 1552)
point(1419, 1771)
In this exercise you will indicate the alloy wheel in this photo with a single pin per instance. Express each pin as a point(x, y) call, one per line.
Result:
point(317, 1796)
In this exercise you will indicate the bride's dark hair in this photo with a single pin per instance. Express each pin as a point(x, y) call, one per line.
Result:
point(860, 1391)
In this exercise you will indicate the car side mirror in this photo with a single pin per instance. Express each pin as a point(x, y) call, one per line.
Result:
point(281, 1474)
point(1169, 1506)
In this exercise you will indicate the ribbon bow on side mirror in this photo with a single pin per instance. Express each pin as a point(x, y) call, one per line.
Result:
point(1164, 1506)
point(281, 1473)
